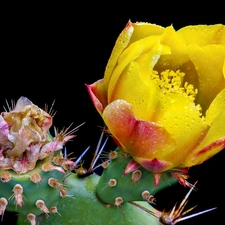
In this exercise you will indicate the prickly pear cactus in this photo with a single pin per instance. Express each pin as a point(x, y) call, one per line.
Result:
point(43, 186)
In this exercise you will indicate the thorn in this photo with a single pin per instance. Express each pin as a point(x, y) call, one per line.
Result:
point(41, 205)
point(31, 218)
point(54, 210)
point(18, 194)
point(49, 167)
point(3, 204)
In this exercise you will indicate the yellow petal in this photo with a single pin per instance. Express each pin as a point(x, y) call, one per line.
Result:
point(215, 116)
point(121, 43)
point(208, 62)
point(203, 34)
point(130, 54)
point(178, 49)
point(224, 69)
point(216, 107)
point(143, 30)
point(142, 95)
point(179, 116)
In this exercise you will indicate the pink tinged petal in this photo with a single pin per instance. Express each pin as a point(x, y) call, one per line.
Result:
point(154, 165)
point(21, 139)
point(220, 144)
point(141, 139)
point(131, 166)
point(21, 103)
point(98, 95)
point(21, 166)
point(33, 154)
point(4, 132)
point(49, 148)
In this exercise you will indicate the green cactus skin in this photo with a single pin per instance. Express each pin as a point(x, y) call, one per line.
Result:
point(82, 206)
point(32, 191)
point(136, 186)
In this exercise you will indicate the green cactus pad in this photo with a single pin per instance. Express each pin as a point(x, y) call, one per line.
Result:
point(82, 206)
point(130, 187)
point(33, 187)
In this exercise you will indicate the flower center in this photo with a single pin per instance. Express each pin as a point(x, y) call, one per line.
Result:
point(170, 81)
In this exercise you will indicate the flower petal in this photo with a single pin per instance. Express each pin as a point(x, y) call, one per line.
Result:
point(98, 95)
point(121, 43)
point(180, 117)
point(136, 90)
point(203, 34)
point(178, 48)
point(214, 140)
point(130, 54)
point(142, 139)
point(205, 60)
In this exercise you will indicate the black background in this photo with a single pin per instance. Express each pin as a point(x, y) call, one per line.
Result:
point(49, 51)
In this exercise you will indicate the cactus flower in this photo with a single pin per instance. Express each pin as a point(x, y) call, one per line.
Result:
point(25, 138)
point(163, 95)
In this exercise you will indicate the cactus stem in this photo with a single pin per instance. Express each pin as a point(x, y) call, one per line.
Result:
point(41, 205)
point(31, 218)
point(118, 201)
point(3, 204)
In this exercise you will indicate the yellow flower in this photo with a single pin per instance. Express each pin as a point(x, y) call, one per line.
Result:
point(163, 94)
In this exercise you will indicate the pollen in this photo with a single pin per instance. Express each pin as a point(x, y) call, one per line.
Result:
point(170, 81)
